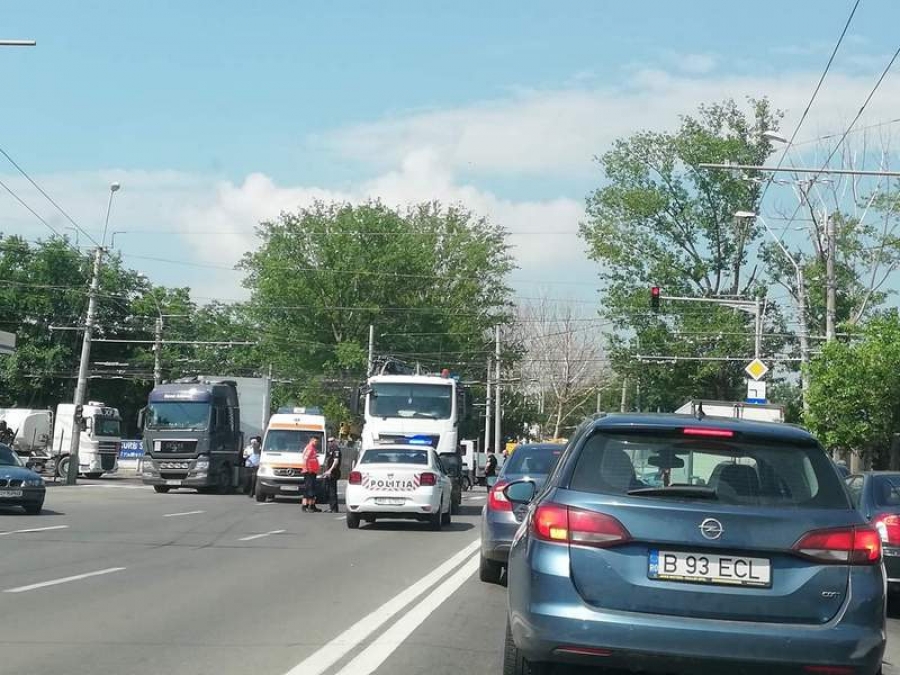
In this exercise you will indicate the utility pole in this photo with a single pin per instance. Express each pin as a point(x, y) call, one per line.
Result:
point(371, 350)
point(81, 387)
point(757, 348)
point(487, 410)
point(157, 349)
point(831, 298)
point(804, 338)
point(498, 414)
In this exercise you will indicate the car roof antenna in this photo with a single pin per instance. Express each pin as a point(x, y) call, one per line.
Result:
point(700, 413)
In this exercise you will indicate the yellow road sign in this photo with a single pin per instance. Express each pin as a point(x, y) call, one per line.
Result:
point(756, 369)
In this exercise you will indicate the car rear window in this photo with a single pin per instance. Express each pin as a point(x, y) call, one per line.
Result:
point(532, 460)
point(886, 490)
point(394, 457)
point(732, 471)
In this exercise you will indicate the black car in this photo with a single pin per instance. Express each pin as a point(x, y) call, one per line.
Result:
point(19, 486)
point(877, 496)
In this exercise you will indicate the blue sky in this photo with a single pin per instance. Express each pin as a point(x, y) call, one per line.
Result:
point(212, 114)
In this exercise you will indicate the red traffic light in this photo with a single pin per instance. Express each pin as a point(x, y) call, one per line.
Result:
point(654, 298)
point(654, 292)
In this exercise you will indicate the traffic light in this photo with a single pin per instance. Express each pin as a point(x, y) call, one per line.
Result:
point(654, 298)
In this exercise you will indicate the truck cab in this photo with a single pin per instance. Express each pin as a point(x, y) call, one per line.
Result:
point(192, 435)
point(100, 436)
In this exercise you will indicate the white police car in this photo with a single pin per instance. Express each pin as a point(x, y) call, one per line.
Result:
point(399, 481)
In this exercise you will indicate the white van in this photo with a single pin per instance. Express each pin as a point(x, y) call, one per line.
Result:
point(280, 464)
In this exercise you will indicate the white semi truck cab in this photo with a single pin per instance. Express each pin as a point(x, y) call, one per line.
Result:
point(100, 437)
point(412, 409)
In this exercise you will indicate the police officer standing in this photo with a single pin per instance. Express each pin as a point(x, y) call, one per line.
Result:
point(332, 473)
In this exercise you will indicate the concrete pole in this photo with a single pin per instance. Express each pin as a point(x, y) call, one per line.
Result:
point(498, 413)
point(831, 283)
point(81, 387)
point(804, 339)
point(757, 349)
point(157, 348)
point(371, 362)
point(624, 403)
point(487, 410)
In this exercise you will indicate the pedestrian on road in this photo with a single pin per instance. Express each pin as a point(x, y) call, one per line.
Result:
point(332, 473)
point(255, 445)
point(251, 465)
point(310, 472)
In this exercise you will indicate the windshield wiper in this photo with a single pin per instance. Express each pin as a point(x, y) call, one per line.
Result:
point(694, 491)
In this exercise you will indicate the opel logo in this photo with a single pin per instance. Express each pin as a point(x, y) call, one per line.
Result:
point(711, 528)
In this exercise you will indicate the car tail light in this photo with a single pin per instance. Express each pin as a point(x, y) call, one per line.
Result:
point(427, 479)
point(888, 527)
point(565, 524)
point(355, 478)
point(849, 545)
point(497, 501)
point(705, 431)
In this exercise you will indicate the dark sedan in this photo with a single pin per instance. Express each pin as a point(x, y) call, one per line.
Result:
point(19, 486)
point(877, 496)
point(499, 523)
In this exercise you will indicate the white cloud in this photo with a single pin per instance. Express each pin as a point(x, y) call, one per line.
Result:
point(696, 64)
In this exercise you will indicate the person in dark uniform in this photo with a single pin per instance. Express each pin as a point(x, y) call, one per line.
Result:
point(332, 473)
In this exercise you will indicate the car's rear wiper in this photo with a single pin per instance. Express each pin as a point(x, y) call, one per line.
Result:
point(690, 491)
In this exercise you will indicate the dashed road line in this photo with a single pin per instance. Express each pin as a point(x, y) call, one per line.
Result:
point(35, 529)
point(64, 580)
point(261, 535)
point(182, 513)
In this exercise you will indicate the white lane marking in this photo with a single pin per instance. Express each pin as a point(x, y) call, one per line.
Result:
point(265, 503)
point(260, 536)
point(477, 499)
point(341, 518)
point(325, 657)
point(64, 580)
point(183, 513)
point(35, 529)
point(378, 652)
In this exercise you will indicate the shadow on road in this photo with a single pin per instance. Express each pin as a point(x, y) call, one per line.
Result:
point(412, 526)
point(16, 511)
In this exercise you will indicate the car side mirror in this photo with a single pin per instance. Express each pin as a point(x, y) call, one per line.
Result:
point(520, 492)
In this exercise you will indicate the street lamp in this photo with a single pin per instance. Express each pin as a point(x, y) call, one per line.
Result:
point(18, 43)
point(801, 298)
point(774, 136)
point(113, 188)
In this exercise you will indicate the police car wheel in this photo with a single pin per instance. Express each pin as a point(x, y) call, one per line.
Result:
point(353, 521)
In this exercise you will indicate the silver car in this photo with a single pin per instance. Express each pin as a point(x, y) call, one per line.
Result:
point(533, 462)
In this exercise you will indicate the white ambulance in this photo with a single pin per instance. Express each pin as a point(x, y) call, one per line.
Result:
point(281, 464)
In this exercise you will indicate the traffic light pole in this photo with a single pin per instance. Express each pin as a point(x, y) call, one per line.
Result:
point(753, 307)
point(81, 387)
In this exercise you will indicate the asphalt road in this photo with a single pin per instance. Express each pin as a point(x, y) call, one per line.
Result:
point(188, 583)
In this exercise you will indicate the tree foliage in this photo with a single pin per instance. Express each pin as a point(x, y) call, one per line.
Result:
point(854, 394)
point(431, 279)
point(662, 220)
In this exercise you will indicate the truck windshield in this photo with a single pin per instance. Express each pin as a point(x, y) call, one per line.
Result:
point(432, 401)
point(107, 426)
point(290, 440)
point(192, 416)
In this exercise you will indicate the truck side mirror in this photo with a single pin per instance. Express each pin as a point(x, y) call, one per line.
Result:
point(141, 418)
point(354, 401)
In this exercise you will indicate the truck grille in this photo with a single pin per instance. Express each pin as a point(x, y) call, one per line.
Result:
point(10, 482)
point(174, 465)
point(179, 447)
point(107, 461)
point(174, 475)
point(289, 472)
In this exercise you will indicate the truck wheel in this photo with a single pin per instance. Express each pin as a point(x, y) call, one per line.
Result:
point(161, 489)
point(62, 467)
point(223, 487)
point(353, 521)
point(93, 476)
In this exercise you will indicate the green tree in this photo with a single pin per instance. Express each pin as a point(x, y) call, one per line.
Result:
point(854, 393)
point(661, 220)
point(431, 280)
